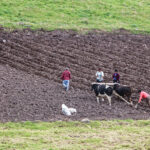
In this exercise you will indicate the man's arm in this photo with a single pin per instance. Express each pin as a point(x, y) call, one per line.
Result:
point(113, 76)
point(62, 76)
point(141, 95)
point(118, 76)
point(102, 74)
point(96, 74)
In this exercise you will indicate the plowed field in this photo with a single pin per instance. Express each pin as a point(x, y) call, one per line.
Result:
point(31, 63)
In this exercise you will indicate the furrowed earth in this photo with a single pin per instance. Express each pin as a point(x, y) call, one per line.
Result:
point(31, 63)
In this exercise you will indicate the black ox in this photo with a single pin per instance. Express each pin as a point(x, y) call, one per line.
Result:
point(102, 91)
point(123, 91)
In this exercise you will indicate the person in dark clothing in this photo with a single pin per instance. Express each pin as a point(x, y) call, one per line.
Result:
point(116, 76)
point(66, 76)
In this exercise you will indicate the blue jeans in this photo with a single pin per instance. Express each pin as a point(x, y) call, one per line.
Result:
point(66, 84)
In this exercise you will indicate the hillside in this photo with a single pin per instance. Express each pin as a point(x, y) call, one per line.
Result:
point(81, 15)
point(32, 63)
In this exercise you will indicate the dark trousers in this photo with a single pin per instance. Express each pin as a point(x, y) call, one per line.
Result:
point(148, 100)
point(99, 81)
point(116, 81)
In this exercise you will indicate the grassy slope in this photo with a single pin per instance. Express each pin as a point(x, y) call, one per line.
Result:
point(110, 135)
point(76, 14)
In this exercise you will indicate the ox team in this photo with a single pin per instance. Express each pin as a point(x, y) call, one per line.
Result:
point(105, 90)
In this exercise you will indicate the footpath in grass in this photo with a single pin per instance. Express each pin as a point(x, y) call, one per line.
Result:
point(76, 14)
point(60, 135)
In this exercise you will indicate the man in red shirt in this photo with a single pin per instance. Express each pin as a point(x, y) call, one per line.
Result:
point(143, 95)
point(66, 76)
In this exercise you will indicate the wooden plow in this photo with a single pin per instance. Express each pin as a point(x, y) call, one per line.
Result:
point(103, 83)
point(122, 98)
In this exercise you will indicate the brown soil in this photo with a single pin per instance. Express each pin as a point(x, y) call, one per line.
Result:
point(31, 63)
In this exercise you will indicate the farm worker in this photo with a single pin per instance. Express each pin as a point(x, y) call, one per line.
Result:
point(66, 76)
point(143, 95)
point(99, 75)
point(116, 76)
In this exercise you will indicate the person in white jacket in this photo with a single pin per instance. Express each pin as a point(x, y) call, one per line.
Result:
point(99, 75)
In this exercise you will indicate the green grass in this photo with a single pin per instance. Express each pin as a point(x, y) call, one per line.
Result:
point(81, 15)
point(112, 135)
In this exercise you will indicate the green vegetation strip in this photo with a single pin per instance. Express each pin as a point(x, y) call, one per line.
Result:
point(112, 135)
point(81, 15)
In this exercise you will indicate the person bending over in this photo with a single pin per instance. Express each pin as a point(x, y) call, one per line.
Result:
point(143, 95)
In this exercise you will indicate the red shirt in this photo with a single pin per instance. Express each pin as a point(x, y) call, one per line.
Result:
point(66, 75)
point(143, 95)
